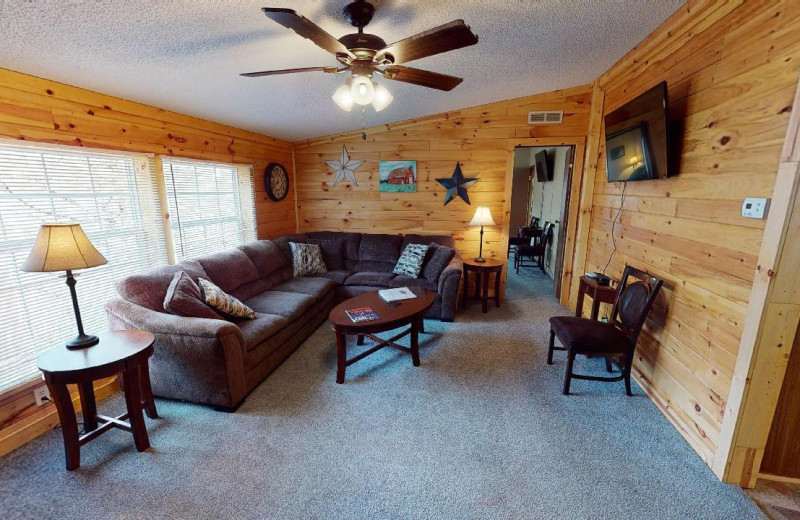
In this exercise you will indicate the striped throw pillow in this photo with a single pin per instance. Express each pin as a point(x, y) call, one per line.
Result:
point(224, 302)
point(410, 262)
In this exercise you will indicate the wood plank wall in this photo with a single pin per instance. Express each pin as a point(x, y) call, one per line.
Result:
point(478, 138)
point(34, 109)
point(731, 68)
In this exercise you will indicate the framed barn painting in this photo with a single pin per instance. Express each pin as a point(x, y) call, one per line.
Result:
point(398, 176)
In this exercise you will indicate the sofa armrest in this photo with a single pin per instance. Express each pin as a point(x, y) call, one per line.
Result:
point(196, 359)
point(449, 285)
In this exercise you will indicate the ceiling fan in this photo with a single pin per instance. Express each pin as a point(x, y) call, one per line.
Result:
point(366, 55)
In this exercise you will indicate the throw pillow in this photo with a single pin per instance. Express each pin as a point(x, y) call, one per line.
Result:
point(437, 261)
point(307, 259)
point(224, 302)
point(410, 261)
point(332, 252)
point(184, 298)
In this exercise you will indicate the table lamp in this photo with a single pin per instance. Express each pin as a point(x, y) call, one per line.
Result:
point(63, 246)
point(483, 217)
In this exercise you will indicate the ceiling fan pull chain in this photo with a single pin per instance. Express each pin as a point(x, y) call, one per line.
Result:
point(363, 123)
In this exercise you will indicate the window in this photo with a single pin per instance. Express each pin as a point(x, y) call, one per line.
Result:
point(211, 206)
point(115, 199)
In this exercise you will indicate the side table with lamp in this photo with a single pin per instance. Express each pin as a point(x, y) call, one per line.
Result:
point(87, 358)
point(482, 267)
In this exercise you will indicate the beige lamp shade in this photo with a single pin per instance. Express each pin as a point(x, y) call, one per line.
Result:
point(483, 217)
point(62, 246)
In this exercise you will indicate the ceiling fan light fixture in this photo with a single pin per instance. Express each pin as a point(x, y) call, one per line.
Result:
point(343, 98)
point(361, 90)
point(382, 97)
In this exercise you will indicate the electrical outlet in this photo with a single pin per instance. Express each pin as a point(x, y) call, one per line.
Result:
point(41, 395)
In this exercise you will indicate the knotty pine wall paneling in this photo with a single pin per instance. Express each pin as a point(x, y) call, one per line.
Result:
point(481, 139)
point(731, 69)
point(35, 109)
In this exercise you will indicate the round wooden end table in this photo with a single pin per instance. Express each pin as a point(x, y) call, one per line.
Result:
point(482, 271)
point(408, 312)
point(123, 352)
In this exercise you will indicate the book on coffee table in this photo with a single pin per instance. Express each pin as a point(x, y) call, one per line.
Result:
point(362, 314)
point(394, 295)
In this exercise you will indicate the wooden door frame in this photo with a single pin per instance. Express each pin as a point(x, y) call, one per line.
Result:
point(569, 284)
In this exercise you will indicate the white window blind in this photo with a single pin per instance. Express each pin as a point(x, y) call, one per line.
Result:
point(211, 206)
point(115, 200)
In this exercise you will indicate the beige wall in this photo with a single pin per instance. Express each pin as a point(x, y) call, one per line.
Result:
point(547, 198)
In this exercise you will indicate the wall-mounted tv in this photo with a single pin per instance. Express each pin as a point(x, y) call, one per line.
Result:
point(543, 173)
point(636, 138)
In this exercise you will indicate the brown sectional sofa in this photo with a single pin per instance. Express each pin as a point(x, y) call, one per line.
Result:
point(218, 362)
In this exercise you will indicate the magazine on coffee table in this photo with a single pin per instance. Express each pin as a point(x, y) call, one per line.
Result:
point(362, 314)
point(394, 295)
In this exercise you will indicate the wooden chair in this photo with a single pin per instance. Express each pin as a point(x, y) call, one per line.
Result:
point(615, 341)
point(524, 236)
point(534, 252)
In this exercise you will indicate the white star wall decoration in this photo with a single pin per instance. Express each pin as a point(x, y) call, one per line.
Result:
point(345, 168)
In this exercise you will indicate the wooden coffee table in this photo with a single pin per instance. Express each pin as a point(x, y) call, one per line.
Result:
point(408, 312)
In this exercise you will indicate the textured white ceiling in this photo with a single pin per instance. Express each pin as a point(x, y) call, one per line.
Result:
point(186, 56)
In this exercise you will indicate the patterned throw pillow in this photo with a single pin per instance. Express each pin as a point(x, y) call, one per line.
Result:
point(184, 298)
point(224, 302)
point(307, 259)
point(410, 262)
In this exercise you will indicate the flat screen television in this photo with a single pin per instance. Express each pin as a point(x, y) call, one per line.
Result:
point(542, 166)
point(636, 138)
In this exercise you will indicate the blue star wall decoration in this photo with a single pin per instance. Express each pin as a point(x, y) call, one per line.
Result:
point(456, 185)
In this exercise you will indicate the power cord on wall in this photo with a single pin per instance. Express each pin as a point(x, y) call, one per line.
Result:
point(614, 225)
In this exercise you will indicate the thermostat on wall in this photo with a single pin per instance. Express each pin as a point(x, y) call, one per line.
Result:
point(754, 207)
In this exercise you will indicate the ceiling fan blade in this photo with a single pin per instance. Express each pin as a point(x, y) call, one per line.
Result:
point(447, 37)
point(287, 71)
point(305, 28)
point(421, 77)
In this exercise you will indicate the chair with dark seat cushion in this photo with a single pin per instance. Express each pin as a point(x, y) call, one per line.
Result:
point(616, 340)
point(534, 252)
point(524, 236)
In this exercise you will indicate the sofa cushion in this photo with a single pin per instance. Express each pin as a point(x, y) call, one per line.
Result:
point(265, 255)
point(444, 240)
point(337, 276)
point(290, 305)
point(283, 245)
point(261, 328)
point(332, 252)
point(226, 304)
point(316, 287)
point(352, 242)
point(229, 269)
point(380, 248)
point(374, 267)
point(410, 261)
point(149, 289)
point(437, 259)
point(184, 298)
point(306, 259)
point(408, 281)
point(371, 279)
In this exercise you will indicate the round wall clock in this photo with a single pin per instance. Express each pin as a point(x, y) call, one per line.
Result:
point(276, 180)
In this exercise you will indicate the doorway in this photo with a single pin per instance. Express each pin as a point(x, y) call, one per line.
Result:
point(540, 197)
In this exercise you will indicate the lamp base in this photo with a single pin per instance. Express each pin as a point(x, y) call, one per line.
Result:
point(82, 341)
point(480, 259)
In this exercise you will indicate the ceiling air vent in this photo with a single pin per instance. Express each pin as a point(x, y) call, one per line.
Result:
point(545, 117)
